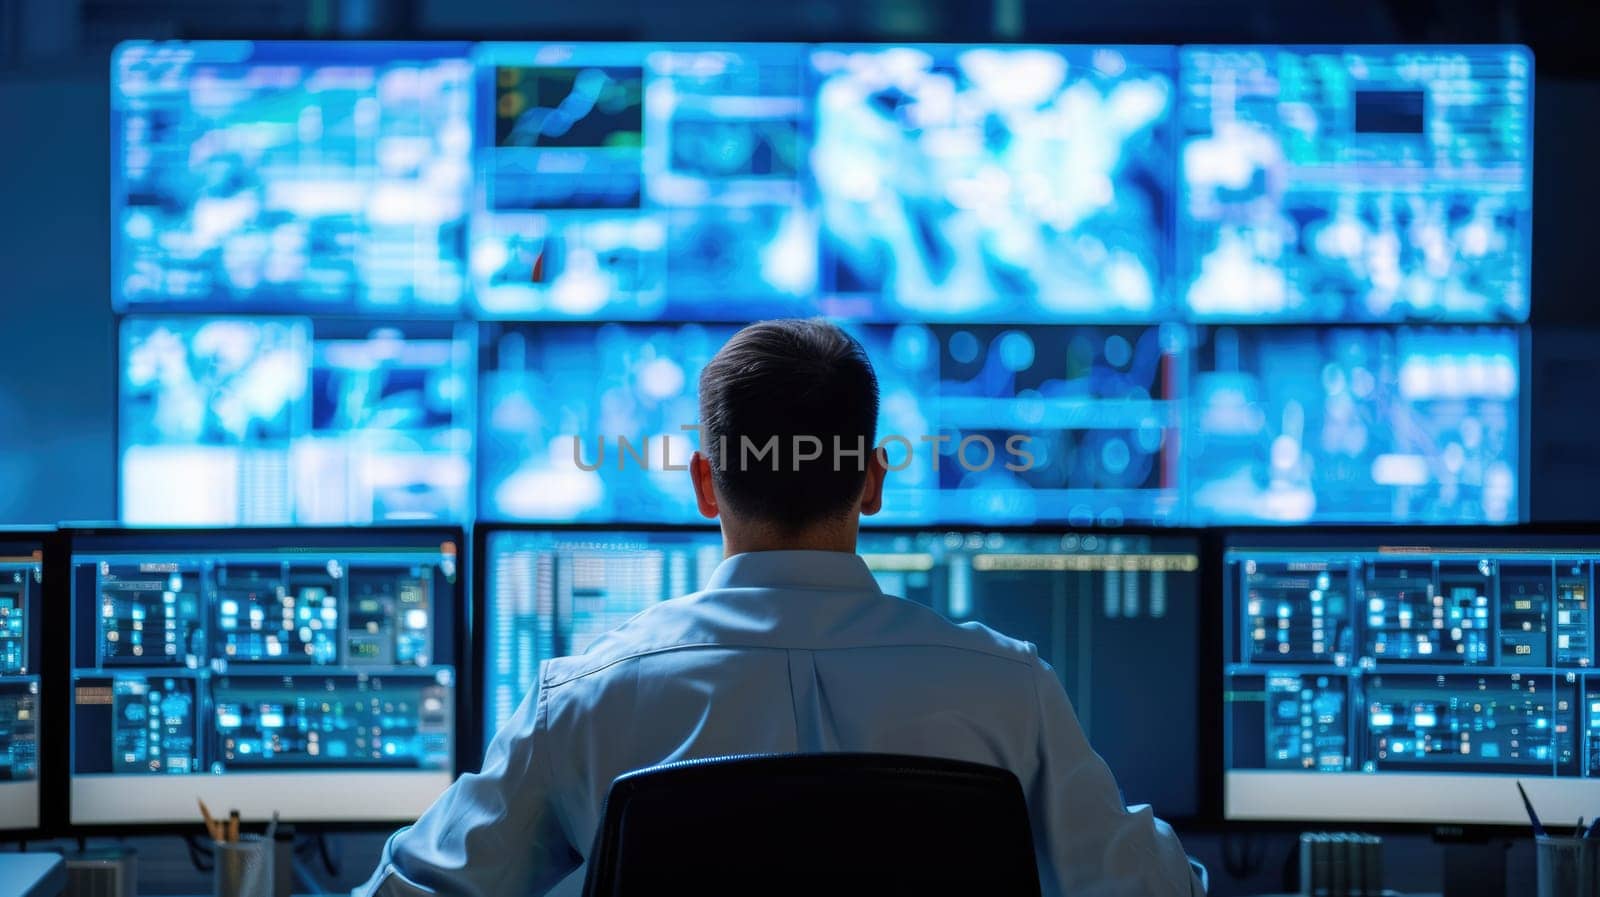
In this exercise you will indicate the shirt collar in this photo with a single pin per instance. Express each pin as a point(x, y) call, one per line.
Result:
point(825, 570)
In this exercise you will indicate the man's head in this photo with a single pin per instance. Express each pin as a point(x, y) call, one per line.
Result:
point(788, 419)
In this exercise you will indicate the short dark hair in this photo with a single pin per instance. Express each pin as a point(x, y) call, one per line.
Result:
point(783, 381)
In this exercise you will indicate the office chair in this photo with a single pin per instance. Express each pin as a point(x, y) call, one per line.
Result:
point(814, 824)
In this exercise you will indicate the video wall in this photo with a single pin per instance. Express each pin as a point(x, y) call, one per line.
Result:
point(365, 282)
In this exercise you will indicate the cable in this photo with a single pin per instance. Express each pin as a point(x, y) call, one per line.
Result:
point(328, 862)
point(202, 858)
point(1242, 855)
point(313, 887)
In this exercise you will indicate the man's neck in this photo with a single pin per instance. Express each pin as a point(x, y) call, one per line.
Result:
point(740, 538)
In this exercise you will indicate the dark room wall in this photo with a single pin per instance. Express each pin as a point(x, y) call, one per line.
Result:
point(57, 377)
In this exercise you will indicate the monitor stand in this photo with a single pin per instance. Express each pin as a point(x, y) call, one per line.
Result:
point(1474, 864)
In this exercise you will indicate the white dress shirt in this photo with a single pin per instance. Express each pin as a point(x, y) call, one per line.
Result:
point(784, 651)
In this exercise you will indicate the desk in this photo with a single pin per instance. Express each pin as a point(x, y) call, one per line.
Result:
point(32, 875)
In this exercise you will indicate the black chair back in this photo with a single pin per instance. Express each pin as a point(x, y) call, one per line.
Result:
point(814, 824)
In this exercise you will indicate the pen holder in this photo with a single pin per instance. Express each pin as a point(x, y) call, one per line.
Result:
point(1568, 867)
point(243, 868)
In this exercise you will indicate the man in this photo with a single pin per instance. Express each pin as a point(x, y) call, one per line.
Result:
point(791, 647)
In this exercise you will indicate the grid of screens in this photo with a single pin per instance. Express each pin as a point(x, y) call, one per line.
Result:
point(1410, 676)
point(21, 654)
point(1057, 243)
point(289, 420)
point(629, 181)
point(1117, 616)
point(309, 672)
point(1072, 424)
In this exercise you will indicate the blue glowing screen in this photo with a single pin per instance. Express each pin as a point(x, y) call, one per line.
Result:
point(1097, 606)
point(1097, 410)
point(1056, 243)
point(1356, 425)
point(641, 181)
point(1367, 669)
point(994, 183)
point(291, 176)
point(276, 667)
point(22, 646)
point(1355, 184)
point(286, 420)
point(551, 593)
point(879, 183)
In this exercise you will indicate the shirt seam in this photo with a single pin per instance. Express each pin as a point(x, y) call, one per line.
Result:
point(863, 588)
point(794, 702)
point(556, 683)
point(552, 796)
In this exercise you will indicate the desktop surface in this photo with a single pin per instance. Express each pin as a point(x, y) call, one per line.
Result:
point(310, 672)
point(1410, 676)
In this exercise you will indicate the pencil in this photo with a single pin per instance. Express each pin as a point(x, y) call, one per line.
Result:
point(213, 828)
point(233, 827)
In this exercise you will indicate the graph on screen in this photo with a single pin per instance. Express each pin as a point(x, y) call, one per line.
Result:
point(642, 181)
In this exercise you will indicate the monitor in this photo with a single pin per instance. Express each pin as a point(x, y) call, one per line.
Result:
point(1357, 425)
point(329, 177)
point(635, 181)
point(269, 421)
point(311, 672)
point(550, 592)
point(1410, 676)
point(994, 183)
point(980, 423)
point(1355, 183)
point(1116, 613)
point(21, 658)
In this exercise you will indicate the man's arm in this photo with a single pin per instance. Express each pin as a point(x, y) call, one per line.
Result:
point(1093, 844)
point(491, 834)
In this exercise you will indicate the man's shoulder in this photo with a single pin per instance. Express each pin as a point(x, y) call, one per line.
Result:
point(669, 626)
point(729, 620)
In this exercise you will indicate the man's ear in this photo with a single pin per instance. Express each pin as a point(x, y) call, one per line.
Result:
point(872, 489)
point(705, 493)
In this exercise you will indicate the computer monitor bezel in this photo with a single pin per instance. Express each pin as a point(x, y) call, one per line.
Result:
point(1222, 539)
point(61, 644)
point(1208, 656)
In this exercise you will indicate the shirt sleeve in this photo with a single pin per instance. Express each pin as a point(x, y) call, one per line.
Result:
point(491, 833)
point(1094, 844)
